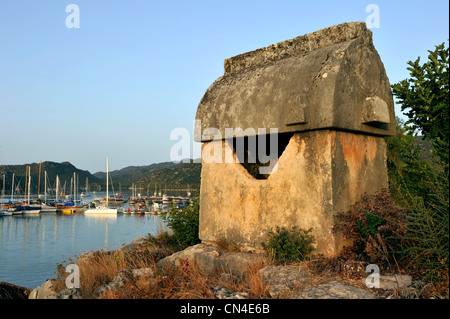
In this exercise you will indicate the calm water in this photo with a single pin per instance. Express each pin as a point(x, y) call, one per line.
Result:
point(31, 246)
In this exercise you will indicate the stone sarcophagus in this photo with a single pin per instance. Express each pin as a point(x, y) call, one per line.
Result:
point(294, 133)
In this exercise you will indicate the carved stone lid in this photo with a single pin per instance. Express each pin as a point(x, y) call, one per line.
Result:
point(329, 79)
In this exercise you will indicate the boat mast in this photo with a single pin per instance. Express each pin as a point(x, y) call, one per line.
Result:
point(12, 189)
point(39, 182)
point(26, 182)
point(45, 185)
point(74, 187)
point(107, 172)
point(57, 187)
point(29, 184)
point(3, 190)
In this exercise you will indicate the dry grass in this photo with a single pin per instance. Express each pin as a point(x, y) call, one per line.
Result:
point(187, 282)
point(101, 267)
point(183, 282)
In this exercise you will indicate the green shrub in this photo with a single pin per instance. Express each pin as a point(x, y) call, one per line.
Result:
point(376, 227)
point(427, 238)
point(283, 245)
point(184, 224)
point(420, 185)
point(162, 240)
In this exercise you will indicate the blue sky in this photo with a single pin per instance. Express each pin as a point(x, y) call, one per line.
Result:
point(137, 69)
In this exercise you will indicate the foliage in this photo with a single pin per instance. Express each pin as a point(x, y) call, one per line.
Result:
point(421, 186)
point(423, 190)
point(406, 165)
point(428, 231)
point(162, 240)
point(375, 227)
point(184, 224)
point(425, 97)
point(284, 245)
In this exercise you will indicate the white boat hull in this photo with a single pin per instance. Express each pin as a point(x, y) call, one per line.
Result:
point(48, 209)
point(31, 211)
point(101, 210)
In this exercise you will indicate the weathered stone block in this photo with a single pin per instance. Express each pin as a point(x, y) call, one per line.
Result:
point(318, 174)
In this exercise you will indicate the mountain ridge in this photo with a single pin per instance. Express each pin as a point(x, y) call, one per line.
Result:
point(164, 174)
point(64, 170)
point(156, 175)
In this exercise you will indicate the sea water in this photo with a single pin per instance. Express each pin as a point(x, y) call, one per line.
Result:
point(31, 246)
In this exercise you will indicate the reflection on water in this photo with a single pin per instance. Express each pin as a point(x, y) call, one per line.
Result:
point(32, 245)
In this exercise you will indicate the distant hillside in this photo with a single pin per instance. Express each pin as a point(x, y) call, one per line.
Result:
point(64, 170)
point(180, 175)
point(128, 175)
point(161, 175)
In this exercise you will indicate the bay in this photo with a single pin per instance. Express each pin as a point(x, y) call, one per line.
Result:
point(32, 246)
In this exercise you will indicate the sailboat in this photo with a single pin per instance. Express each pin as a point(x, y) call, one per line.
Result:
point(45, 208)
point(86, 194)
point(15, 208)
point(103, 208)
point(30, 209)
point(73, 206)
point(3, 210)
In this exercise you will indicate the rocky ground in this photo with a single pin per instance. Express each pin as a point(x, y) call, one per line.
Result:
point(283, 281)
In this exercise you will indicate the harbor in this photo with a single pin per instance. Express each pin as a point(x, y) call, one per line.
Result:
point(157, 204)
point(55, 198)
point(44, 223)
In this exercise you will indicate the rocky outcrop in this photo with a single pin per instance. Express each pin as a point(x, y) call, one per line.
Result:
point(44, 291)
point(282, 279)
point(225, 293)
point(138, 242)
point(69, 293)
point(122, 278)
point(210, 259)
point(394, 281)
point(333, 290)
point(10, 291)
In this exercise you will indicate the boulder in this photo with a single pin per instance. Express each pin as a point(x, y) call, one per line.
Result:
point(394, 281)
point(136, 243)
point(122, 278)
point(333, 290)
point(44, 291)
point(69, 293)
point(225, 293)
point(282, 279)
point(210, 259)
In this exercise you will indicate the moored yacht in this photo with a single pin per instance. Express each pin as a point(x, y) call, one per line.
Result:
point(104, 209)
